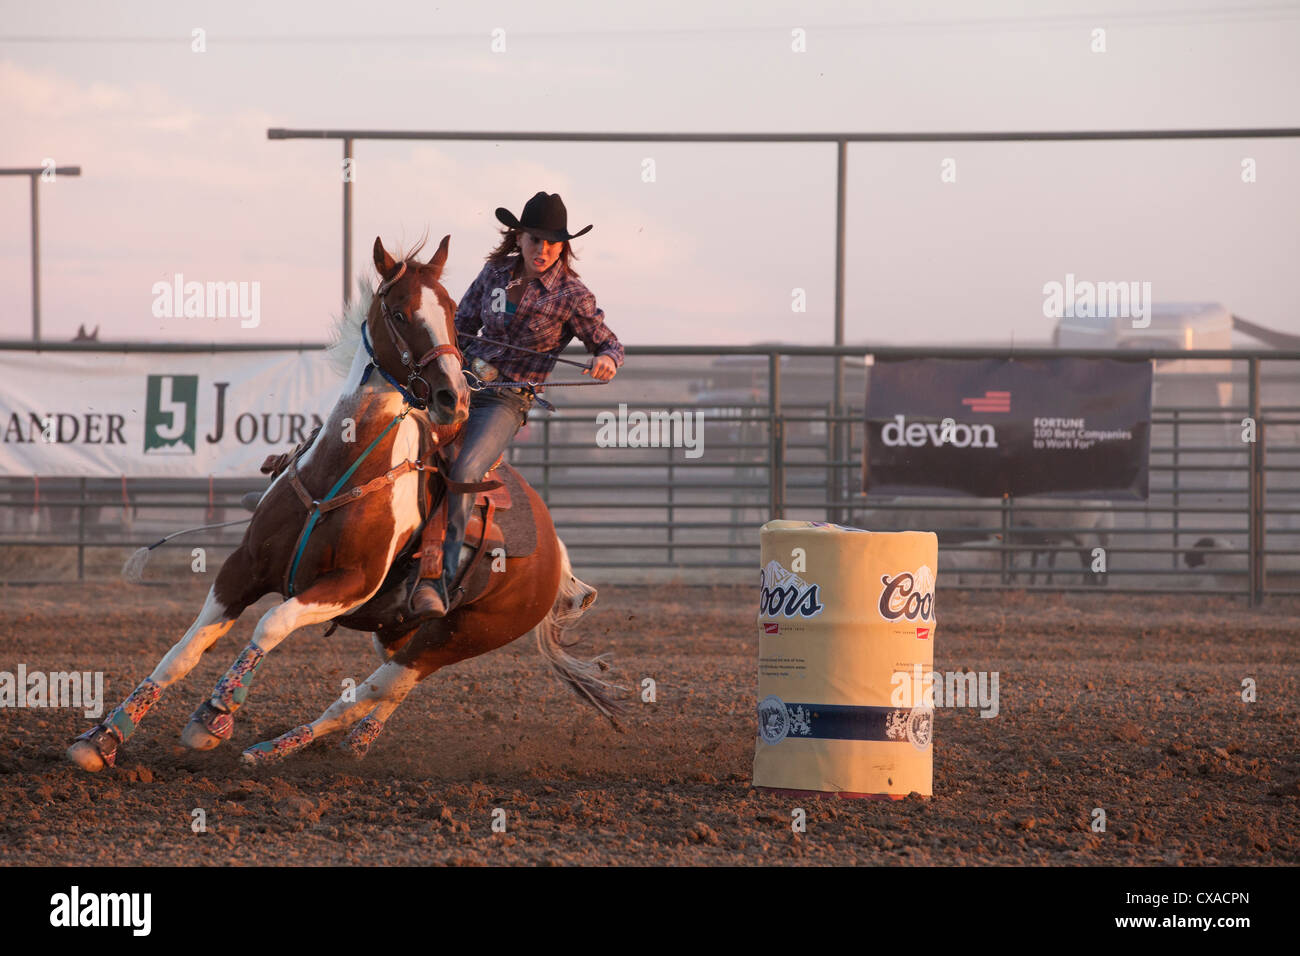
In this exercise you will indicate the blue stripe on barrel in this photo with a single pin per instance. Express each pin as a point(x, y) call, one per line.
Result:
point(840, 722)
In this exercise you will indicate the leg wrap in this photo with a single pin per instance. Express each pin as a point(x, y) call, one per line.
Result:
point(122, 719)
point(362, 736)
point(273, 750)
point(232, 690)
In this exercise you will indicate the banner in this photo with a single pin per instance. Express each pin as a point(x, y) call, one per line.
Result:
point(152, 414)
point(989, 427)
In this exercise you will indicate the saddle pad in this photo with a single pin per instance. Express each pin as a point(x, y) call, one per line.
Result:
point(512, 529)
point(516, 521)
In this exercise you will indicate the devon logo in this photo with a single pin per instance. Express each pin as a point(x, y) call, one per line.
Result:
point(171, 414)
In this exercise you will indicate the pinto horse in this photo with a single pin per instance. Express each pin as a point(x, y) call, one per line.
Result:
point(337, 562)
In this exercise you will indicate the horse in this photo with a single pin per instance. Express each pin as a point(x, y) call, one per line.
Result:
point(344, 556)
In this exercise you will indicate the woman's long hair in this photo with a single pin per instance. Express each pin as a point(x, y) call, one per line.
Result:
point(510, 245)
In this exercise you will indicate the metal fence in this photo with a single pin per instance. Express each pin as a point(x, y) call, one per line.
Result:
point(1223, 514)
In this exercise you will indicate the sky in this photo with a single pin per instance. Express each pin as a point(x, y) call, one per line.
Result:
point(180, 178)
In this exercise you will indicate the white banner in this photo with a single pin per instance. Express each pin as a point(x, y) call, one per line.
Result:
point(152, 414)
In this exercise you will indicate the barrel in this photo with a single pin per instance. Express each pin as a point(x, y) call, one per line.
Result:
point(846, 629)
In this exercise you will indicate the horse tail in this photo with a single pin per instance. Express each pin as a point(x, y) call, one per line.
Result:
point(582, 677)
point(133, 569)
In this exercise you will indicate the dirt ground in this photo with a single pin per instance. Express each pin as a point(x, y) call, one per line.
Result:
point(1131, 704)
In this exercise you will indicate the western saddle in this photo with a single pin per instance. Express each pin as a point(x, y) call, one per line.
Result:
point(439, 446)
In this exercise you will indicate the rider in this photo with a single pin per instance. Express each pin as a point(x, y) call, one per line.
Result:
point(526, 294)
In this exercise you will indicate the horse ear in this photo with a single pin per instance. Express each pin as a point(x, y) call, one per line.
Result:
point(383, 261)
point(440, 257)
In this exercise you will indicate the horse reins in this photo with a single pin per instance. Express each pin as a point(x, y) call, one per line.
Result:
point(520, 348)
point(414, 367)
point(476, 383)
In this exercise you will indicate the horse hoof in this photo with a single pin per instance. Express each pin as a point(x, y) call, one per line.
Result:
point(208, 726)
point(273, 751)
point(358, 742)
point(356, 749)
point(86, 756)
point(95, 749)
point(196, 737)
point(257, 755)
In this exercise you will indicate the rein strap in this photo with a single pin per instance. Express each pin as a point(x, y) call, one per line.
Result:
point(315, 507)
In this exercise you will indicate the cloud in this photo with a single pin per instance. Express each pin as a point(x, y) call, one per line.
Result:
point(47, 96)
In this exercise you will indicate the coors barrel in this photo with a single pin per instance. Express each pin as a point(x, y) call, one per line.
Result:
point(846, 619)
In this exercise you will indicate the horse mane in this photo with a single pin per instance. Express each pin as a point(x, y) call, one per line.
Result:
point(346, 336)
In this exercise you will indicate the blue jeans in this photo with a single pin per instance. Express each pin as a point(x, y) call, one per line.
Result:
point(495, 415)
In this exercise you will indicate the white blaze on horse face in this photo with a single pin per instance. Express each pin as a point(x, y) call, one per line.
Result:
point(434, 317)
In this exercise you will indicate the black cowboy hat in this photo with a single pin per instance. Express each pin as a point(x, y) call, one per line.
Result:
point(544, 216)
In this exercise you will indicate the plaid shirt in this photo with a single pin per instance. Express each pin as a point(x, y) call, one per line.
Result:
point(554, 308)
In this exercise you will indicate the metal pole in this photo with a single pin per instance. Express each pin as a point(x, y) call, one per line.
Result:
point(81, 532)
point(1255, 572)
point(776, 475)
point(347, 221)
point(1252, 399)
point(36, 263)
point(841, 167)
point(34, 174)
point(669, 489)
point(1261, 521)
point(1022, 136)
point(830, 456)
point(1006, 538)
point(1176, 496)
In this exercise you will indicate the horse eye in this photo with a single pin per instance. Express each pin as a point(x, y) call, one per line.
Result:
point(399, 316)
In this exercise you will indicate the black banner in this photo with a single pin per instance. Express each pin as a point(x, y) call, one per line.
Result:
point(131, 907)
point(989, 427)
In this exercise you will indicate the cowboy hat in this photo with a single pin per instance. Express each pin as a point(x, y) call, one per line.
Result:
point(544, 216)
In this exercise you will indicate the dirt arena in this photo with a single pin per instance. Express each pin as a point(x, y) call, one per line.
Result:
point(1131, 704)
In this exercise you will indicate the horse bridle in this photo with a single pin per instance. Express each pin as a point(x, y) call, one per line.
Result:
point(414, 367)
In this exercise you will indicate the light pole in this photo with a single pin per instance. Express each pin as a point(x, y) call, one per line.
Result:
point(35, 175)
